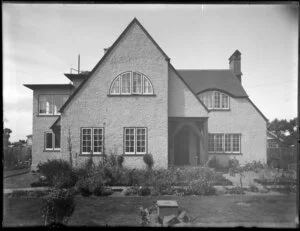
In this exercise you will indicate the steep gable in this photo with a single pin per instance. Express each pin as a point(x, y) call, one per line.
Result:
point(134, 24)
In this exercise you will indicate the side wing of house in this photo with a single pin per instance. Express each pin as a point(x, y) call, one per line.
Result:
point(47, 100)
point(122, 107)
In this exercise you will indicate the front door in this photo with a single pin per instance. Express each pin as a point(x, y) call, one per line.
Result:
point(182, 147)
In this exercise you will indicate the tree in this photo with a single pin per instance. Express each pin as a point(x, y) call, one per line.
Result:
point(284, 129)
point(6, 136)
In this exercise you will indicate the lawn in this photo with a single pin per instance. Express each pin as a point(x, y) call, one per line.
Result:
point(123, 211)
point(20, 181)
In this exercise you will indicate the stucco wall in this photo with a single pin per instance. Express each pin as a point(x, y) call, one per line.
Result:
point(92, 107)
point(242, 118)
point(182, 102)
point(41, 124)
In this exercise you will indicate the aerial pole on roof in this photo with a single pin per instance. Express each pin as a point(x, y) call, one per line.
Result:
point(78, 69)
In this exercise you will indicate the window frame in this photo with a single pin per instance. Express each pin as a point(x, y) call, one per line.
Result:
point(223, 137)
point(52, 142)
point(211, 96)
point(131, 92)
point(52, 104)
point(92, 141)
point(135, 152)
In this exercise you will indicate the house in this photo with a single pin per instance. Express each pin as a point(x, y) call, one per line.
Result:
point(273, 141)
point(135, 102)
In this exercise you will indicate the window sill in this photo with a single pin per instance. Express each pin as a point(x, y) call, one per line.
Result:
point(214, 109)
point(47, 115)
point(224, 153)
point(57, 150)
point(131, 95)
point(89, 155)
point(133, 154)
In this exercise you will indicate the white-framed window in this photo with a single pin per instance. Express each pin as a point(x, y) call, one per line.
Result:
point(272, 144)
point(131, 83)
point(224, 143)
point(92, 141)
point(50, 104)
point(135, 140)
point(52, 141)
point(215, 100)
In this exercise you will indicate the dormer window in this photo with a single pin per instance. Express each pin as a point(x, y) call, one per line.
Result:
point(215, 100)
point(131, 83)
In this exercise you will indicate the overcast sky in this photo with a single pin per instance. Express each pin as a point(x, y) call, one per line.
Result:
point(41, 42)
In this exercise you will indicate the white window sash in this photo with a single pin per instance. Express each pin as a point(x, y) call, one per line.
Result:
point(82, 152)
point(239, 143)
point(130, 83)
point(134, 141)
point(141, 79)
point(150, 84)
point(144, 129)
point(113, 84)
point(93, 148)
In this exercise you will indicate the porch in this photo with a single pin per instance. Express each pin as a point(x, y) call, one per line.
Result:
point(188, 141)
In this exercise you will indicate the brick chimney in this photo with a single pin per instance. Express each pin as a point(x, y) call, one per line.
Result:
point(106, 49)
point(235, 64)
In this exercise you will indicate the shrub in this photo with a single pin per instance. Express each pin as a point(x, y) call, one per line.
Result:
point(235, 190)
point(148, 159)
point(58, 206)
point(120, 160)
point(254, 166)
point(112, 160)
point(253, 188)
point(233, 163)
point(131, 191)
point(144, 191)
point(219, 179)
point(162, 181)
point(106, 192)
point(53, 168)
point(40, 184)
point(201, 187)
point(19, 193)
point(67, 180)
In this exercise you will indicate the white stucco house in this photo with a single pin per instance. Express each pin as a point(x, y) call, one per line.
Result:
point(134, 102)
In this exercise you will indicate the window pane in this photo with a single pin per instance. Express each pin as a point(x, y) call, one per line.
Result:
point(217, 100)
point(129, 140)
point(57, 140)
point(98, 140)
point(48, 141)
point(225, 99)
point(86, 140)
point(211, 143)
point(236, 143)
point(136, 83)
point(58, 101)
point(218, 143)
point(147, 86)
point(141, 140)
point(126, 83)
point(227, 143)
point(115, 89)
point(45, 104)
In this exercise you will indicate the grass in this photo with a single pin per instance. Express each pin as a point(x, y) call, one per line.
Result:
point(20, 181)
point(123, 211)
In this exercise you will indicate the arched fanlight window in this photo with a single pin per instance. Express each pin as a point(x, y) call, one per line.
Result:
point(131, 83)
point(215, 100)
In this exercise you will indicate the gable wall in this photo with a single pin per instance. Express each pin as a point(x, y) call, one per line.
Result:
point(40, 125)
point(91, 107)
point(182, 102)
point(242, 118)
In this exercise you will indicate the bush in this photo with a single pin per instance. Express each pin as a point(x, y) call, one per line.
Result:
point(144, 191)
point(106, 192)
point(253, 188)
point(233, 163)
point(235, 190)
point(65, 181)
point(162, 181)
point(112, 160)
point(219, 179)
point(120, 160)
point(40, 184)
point(213, 162)
point(254, 166)
point(132, 191)
point(19, 193)
point(54, 168)
point(148, 159)
point(58, 206)
point(202, 187)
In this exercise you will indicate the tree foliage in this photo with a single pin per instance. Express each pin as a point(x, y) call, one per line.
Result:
point(285, 129)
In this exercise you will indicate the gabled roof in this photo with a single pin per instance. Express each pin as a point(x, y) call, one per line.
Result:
point(272, 135)
point(204, 80)
point(45, 86)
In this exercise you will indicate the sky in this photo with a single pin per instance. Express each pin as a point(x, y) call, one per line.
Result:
point(41, 42)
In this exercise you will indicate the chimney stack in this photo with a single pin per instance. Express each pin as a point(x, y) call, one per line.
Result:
point(105, 50)
point(235, 64)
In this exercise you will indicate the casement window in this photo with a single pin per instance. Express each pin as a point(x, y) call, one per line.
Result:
point(50, 104)
point(131, 83)
point(224, 143)
point(92, 141)
point(215, 100)
point(52, 141)
point(135, 140)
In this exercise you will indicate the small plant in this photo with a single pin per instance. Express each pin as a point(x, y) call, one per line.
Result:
point(112, 160)
point(148, 159)
point(132, 191)
point(144, 217)
point(253, 188)
point(144, 191)
point(213, 162)
point(67, 180)
point(58, 206)
point(120, 160)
